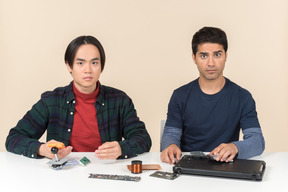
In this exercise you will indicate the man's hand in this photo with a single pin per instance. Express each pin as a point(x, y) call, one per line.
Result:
point(109, 150)
point(168, 154)
point(225, 152)
point(45, 151)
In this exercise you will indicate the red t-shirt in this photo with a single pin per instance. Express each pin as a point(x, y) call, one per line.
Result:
point(85, 135)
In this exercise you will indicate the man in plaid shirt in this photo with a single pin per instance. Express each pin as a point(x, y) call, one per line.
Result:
point(85, 115)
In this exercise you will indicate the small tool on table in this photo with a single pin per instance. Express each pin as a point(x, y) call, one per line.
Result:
point(57, 163)
point(55, 148)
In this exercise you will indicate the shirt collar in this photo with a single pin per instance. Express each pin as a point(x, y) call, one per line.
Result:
point(71, 97)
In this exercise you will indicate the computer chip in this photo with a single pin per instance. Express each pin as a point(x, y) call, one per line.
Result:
point(84, 161)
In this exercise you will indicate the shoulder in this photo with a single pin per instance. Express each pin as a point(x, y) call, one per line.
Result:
point(64, 92)
point(245, 97)
point(112, 92)
point(187, 87)
point(184, 90)
point(242, 92)
point(114, 96)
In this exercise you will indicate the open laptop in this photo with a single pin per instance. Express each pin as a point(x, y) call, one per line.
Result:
point(239, 168)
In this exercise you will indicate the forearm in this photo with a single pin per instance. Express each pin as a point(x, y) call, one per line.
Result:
point(23, 139)
point(252, 145)
point(137, 140)
point(171, 135)
point(22, 145)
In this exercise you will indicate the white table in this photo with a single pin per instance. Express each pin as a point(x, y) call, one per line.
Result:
point(19, 173)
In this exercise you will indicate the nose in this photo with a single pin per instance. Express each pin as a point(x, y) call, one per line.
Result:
point(88, 68)
point(211, 61)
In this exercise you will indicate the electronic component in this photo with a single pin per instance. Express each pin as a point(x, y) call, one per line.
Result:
point(58, 164)
point(114, 177)
point(84, 161)
point(197, 154)
point(136, 166)
point(165, 175)
point(147, 167)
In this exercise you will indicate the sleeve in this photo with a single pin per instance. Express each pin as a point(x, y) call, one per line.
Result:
point(171, 135)
point(248, 117)
point(253, 141)
point(23, 138)
point(174, 114)
point(173, 128)
point(252, 145)
point(136, 138)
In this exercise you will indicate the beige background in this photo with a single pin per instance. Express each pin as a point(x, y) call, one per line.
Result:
point(148, 53)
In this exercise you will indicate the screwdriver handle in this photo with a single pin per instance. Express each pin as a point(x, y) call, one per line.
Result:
point(58, 145)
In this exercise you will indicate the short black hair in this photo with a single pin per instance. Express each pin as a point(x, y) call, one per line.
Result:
point(209, 35)
point(83, 40)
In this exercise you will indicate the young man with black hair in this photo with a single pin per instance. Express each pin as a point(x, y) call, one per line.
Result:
point(85, 115)
point(208, 113)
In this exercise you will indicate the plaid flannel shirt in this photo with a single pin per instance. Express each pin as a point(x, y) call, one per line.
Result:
point(54, 112)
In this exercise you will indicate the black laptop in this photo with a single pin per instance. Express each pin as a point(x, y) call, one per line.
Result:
point(238, 168)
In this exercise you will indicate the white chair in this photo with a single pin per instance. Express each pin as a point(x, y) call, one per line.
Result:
point(162, 130)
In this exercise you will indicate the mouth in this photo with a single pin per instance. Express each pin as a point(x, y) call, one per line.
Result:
point(87, 78)
point(211, 70)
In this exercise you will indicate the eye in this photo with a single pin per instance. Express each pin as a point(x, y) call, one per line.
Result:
point(94, 63)
point(217, 54)
point(203, 56)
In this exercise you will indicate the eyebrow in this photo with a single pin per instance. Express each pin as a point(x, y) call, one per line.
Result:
point(206, 53)
point(219, 51)
point(94, 59)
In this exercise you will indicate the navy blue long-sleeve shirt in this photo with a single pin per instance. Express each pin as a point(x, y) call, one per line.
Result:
point(200, 122)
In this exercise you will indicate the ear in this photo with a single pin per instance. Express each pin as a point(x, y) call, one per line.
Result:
point(194, 58)
point(68, 67)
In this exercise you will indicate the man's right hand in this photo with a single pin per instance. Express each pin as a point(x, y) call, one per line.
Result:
point(45, 151)
point(168, 154)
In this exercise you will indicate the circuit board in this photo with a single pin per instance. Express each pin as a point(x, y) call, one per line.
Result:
point(114, 177)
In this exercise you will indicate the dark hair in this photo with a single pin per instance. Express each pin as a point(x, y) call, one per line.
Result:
point(209, 35)
point(76, 43)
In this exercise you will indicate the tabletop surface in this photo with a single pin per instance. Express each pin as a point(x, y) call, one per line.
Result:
point(19, 173)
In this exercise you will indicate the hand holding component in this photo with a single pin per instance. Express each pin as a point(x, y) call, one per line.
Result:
point(225, 152)
point(171, 154)
point(45, 149)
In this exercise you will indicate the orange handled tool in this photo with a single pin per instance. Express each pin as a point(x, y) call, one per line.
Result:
point(59, 145)
point(55, 147)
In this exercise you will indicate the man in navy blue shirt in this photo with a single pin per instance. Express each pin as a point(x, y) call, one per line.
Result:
point(208, 113)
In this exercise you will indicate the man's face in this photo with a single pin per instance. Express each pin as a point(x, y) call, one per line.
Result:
point(210, 59)
point(86, 68)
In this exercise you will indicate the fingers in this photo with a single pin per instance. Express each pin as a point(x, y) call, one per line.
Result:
point(109, 150)
point(164, 157)
point(171, 157)
point(225, 152)
point(45, 150)
point(64, 152)
point(169, 154)
point(178, 155)
point(217, 150)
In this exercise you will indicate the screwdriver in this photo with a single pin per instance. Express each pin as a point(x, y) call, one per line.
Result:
point(55, 147)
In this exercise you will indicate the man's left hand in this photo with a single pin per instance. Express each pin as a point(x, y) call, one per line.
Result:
point(225, 152)
point(109, 150)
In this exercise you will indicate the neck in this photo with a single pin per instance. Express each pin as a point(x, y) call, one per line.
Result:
point(211, 87)
point(85, 90)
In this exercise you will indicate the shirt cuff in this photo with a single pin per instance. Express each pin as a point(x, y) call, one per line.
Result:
point(171, 135)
